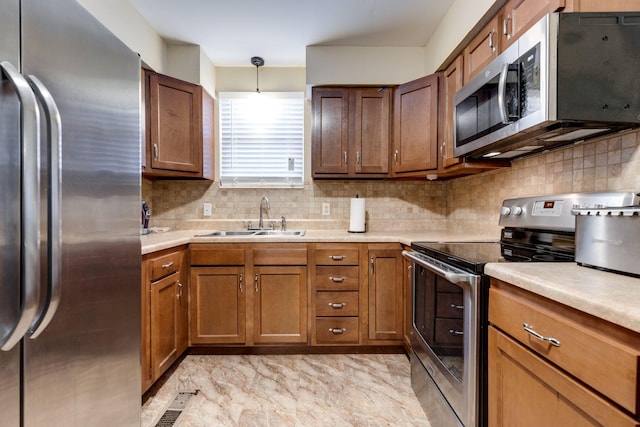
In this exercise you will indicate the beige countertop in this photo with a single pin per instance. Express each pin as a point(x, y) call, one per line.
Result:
point(609, 296)
point(163, 240)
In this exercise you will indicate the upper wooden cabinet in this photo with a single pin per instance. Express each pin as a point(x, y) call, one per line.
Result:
point(415, 127)
point(178, 128)
point(519, 15)
point(351, 132)
point(482, 49)
point(602, 6)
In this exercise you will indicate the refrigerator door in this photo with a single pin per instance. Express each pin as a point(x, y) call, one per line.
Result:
point(10, 214)
point(84, 368)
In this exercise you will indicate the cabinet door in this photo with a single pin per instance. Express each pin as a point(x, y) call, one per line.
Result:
point(452, 82)
point(385, 294)
point(145, 323)
point(372, 115)
point(520, 15)
point(603, 6)
point(217, 306)
point(524, 390)
point(330, 136)
point(280, 304)
point(164, 323)
point(174, 124)
point(483, 49)
point(415, 138)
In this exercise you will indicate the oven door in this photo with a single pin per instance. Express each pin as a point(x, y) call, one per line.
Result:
point(445, 335)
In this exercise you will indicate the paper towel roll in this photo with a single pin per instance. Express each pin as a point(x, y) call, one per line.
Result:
point(357, 217)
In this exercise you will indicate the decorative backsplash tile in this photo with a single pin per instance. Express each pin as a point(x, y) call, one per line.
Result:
point(468, 204)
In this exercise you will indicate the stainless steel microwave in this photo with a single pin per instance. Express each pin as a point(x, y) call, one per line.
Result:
point(571, 77)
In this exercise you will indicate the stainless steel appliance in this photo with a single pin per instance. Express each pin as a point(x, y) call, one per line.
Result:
point(569, 78)
point(450, 300)
point(608, 237)
point(69, 235)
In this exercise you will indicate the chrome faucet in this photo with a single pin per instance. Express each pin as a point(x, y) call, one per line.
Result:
point(264, 199)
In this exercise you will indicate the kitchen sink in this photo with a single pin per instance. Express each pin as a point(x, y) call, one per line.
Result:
point(248, 233)
point(280, 233)
point(227, 233)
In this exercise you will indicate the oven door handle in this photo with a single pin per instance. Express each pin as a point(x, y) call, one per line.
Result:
point(449, 275)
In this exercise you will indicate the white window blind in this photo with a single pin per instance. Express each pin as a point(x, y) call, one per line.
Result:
point(261, 139)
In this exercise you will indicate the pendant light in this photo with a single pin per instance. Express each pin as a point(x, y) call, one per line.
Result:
point(258, 62)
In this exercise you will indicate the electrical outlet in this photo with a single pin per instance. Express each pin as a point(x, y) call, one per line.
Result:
point(206, 210)
point(326, 209)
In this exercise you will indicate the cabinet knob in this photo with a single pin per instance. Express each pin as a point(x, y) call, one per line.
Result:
point(358, 158)
point(167, 265)
point(529, 329)
point(345, 157)
point(337, 305)
point(337, 331)
point(505, 31)
point(155, 152)
point(179, 290)
point(395, 157)
point(337, 257)
point(492, 45)
point(456, 332)
point(337, 279)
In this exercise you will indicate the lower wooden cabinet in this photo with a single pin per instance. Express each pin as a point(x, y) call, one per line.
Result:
point(280, 304)
point(164, 312)
point(385, 289)
point(248, 294)
point(587, 376)
point(217, 307)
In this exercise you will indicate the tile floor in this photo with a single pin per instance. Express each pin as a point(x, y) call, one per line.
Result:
point(291, 390)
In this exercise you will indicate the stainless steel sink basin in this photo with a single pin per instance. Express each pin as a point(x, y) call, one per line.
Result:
point(247, 233)
point(280, 233)
point(227, 233)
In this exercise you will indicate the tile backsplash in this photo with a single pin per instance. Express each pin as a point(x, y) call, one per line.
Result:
point(468, 204)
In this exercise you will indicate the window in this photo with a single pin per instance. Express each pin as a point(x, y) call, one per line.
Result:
point(262, 139)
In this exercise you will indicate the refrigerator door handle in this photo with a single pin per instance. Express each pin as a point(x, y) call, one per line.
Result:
point(54, 217)
point(30, 216)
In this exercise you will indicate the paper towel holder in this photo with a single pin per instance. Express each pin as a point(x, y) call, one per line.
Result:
point(358, 219)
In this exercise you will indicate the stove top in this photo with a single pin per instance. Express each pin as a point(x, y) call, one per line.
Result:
point(472, 256)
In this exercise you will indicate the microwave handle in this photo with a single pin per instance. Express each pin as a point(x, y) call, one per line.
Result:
point(502, 95)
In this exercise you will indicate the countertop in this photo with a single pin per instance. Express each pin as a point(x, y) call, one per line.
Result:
point(609, 296)
point(163, 240)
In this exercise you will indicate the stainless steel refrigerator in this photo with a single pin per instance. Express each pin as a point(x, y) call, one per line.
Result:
point(69, 219)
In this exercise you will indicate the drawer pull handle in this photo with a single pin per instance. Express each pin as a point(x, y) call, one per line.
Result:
point(529, 329)
point(457, 307)
point(167, 265)
point(337, 257)
point(456, 332)
point(337, 331)
point(337, 279)
point(337, 305)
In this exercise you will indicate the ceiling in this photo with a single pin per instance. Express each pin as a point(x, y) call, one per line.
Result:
point(230, 32)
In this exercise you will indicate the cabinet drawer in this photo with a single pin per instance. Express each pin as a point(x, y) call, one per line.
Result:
point(600, 354)
point(220, 256)
point(165, 265)
point(337, 256)
point(337, 330)
point(337, 278)
point(449, 305)
point(337, 303)
point(282, 255)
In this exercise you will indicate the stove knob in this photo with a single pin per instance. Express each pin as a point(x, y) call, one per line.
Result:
point(505, 211)
point(516, 210)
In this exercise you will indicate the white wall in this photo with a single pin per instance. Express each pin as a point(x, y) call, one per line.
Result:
point(123, 20)
point(363, 65)
point(462, 16)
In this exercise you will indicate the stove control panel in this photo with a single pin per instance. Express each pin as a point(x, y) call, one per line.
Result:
point(553, 212)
